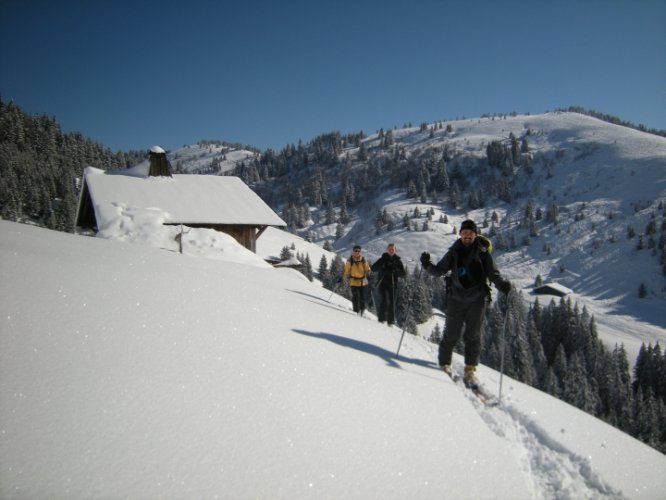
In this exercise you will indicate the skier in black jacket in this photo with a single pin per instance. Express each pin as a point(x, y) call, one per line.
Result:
point(390, 269)
point(471, 267)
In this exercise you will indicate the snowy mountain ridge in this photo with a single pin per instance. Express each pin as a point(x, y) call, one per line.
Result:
point(209, 157)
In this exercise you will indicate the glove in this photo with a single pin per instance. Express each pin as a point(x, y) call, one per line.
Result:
point(504, 286)
point(425, 260)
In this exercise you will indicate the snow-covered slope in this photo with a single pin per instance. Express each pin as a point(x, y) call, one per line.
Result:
point(604, 179)
point(127, 371)
point(208, 157)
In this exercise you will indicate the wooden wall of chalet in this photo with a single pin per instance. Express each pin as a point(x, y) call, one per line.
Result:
point(245, 235)
point(86, 215)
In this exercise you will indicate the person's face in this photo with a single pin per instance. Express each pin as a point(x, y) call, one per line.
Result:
point(467, 236)
point(391, 250)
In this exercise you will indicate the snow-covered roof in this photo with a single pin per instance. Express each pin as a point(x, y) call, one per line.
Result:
point(195, 199)
point(553, 289)
point(290, 262)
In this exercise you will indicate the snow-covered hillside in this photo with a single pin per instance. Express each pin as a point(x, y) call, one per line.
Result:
point(208, 157)
point(130, 371)
point(604, 179)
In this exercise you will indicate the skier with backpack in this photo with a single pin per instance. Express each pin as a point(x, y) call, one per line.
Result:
point(471, 266)
point(357, 268)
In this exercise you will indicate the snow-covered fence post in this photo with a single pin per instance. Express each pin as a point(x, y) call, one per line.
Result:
point(179, 238)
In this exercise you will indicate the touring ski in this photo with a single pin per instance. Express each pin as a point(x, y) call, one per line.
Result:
point(483, 395)
point(486, 398)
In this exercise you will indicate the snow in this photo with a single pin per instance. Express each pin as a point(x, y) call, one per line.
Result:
point(131, 371)
point(219, 199)
point(201, 158)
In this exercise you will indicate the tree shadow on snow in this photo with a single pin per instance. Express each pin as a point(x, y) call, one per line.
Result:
point(380, 352)
point(321, 301)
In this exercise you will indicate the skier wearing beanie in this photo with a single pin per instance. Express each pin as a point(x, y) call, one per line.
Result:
point(357, 268)
point(468, 294)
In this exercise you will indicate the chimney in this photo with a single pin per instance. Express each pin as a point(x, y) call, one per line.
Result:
point(159, 165)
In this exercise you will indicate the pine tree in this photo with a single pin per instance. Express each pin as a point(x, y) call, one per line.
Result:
point(492, 336)
point(412, 192)
point(619, 399)
point(551, 384)
point(436, 334)
point(413, 301)
point(330, 213)
point(322, 271)
point(455, 196)
point(539, 364)
point(646, 419)
point(441, 182)
point(339, 231)
point(559, 366)
point(516, 339)
point(336, 283)
point(343, 216)
point(515, 149)
point(308, 268)
point(379, 223)
point(285, 253)
point(576, 386)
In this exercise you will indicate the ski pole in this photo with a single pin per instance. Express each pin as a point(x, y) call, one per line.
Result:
point(408, 312)
point(506, 318)
point(392, 297)
point(372, 297)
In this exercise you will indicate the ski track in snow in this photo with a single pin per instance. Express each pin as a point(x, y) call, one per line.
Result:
point(553, 471)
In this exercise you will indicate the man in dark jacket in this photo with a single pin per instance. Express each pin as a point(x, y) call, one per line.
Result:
point(471, 266)
point(390, 269)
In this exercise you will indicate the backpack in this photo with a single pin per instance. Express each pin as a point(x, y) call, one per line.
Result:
point(485, 242)
point(353, 263)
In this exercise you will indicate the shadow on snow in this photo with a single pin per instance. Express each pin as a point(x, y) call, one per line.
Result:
point(358, 345)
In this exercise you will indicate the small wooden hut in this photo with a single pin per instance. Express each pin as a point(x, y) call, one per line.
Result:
point(552, 289)
point(222, 203)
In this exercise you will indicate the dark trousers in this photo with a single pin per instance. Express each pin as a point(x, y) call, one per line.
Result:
point(469, 316)
point(358, 298)
point(386, 309)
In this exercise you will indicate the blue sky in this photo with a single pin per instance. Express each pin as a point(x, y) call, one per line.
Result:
point(130, 74)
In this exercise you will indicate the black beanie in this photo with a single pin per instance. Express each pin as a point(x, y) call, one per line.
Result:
point(469, 224)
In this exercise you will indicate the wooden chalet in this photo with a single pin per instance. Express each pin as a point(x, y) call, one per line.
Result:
point(221, 203)
point(553, 289)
